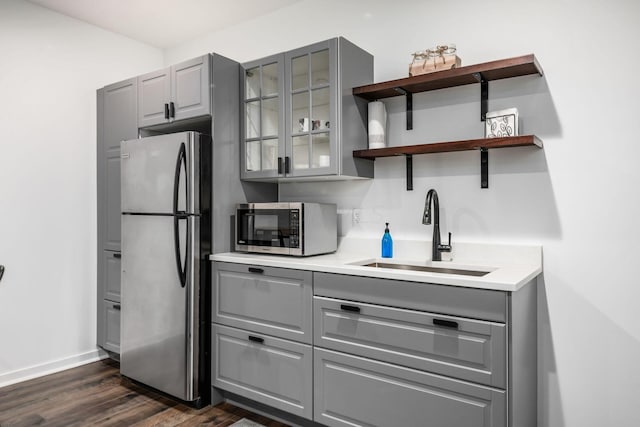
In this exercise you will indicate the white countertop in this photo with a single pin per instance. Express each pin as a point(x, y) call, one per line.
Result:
point(510, 267)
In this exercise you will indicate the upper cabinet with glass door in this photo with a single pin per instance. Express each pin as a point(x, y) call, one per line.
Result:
point(263, 118)
point(319, 122)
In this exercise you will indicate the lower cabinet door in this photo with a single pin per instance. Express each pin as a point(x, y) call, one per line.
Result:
point(111, 278)
point(354, 391)
point(269, 370)
point(467, 349)
point(111, 326)
point(272, 301)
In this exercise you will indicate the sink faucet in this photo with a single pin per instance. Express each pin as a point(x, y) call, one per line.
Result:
point(436, 247)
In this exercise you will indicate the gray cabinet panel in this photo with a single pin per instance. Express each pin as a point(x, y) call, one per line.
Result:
point(190, 88)
point(311, 97)
point(351, 391)
point(154, 91)
point(111, 278)
point(269, 300)
point(116, 121)
point(474, 350)
point(450, 300)
point(111, 187)
point(262, 119)
point(111, 325)
point(120, 124)
point(268, 370)
point(174, 93)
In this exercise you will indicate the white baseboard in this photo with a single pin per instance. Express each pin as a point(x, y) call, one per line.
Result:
point(52, 367)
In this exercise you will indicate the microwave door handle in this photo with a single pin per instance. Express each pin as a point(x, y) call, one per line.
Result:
point(250, 222)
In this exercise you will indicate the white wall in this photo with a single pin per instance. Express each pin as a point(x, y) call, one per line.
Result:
point(578, 197)
point(50, 68)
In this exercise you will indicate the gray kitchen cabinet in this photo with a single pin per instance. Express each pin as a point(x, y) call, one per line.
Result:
point(355, 391)
point(262, 335)
point(262, 148)
point(116, 122)
point(111, 279)
point(385, 352)
point(178, 92)
point(451, 300)
point(110, 325)
point(268, 370)
point(301, 120)
point(376, 363)
point(268, 300)
point(467, 349)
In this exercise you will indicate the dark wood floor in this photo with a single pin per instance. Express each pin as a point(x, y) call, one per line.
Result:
point(96, 395)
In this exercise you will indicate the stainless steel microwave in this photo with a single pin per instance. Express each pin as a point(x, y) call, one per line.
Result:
point(298, 229)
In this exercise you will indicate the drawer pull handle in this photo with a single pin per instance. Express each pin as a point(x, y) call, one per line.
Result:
point(116, 307)
point(117, 255)
point(256, 339)
point(256, 270)
point(352, 308)
point(445, 323)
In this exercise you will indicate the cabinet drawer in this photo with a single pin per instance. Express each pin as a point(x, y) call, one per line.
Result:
point(111, 279)
point(451, 300)
point(350, 391)
point(269, 370)
point(111, 325)
point(472, 350)
point(272, 301)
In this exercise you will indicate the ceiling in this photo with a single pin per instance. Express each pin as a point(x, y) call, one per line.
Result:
point(163, 23)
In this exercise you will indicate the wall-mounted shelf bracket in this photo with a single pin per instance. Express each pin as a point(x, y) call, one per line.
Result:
point(409, 159)
point(484, 95)
point(409, 98)
point(484, 168)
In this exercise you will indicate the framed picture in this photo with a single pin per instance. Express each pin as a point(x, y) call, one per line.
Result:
point(501, 123)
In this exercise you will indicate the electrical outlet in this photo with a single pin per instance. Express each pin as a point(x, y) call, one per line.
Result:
point(356, 216)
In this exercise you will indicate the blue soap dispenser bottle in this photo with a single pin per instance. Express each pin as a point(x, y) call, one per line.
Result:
point(387, 243)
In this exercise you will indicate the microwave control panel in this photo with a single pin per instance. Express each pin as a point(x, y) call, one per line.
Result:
point(294, 227)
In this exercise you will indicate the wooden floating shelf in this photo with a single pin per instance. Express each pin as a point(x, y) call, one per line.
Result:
point(483, 145)
point(446, 147)
point(488, 71)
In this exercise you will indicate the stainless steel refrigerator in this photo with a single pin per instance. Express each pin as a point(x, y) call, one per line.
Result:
point(166, 240)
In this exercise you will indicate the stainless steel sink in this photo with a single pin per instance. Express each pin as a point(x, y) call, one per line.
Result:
point(442, 270)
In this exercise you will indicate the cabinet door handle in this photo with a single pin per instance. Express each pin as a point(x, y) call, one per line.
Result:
point(166, 111)
point(1, 271)
point(172, 110)
point(256, 270)
point(117, 255)
point(287, 164)
point(256, 339)
point(351, 308)
point(445, 323)
point(116, 307)
point(280, 166)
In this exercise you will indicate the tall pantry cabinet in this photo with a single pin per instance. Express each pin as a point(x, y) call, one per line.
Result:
point(117, 121)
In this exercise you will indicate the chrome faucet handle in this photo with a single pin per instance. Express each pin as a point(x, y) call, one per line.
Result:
point(447, 247)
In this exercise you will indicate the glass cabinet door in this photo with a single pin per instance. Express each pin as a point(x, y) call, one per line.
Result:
point(311, 110)
point(263, 117)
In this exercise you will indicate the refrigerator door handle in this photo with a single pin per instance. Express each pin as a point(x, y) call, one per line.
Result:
point(180, 264)
point(181, 161)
